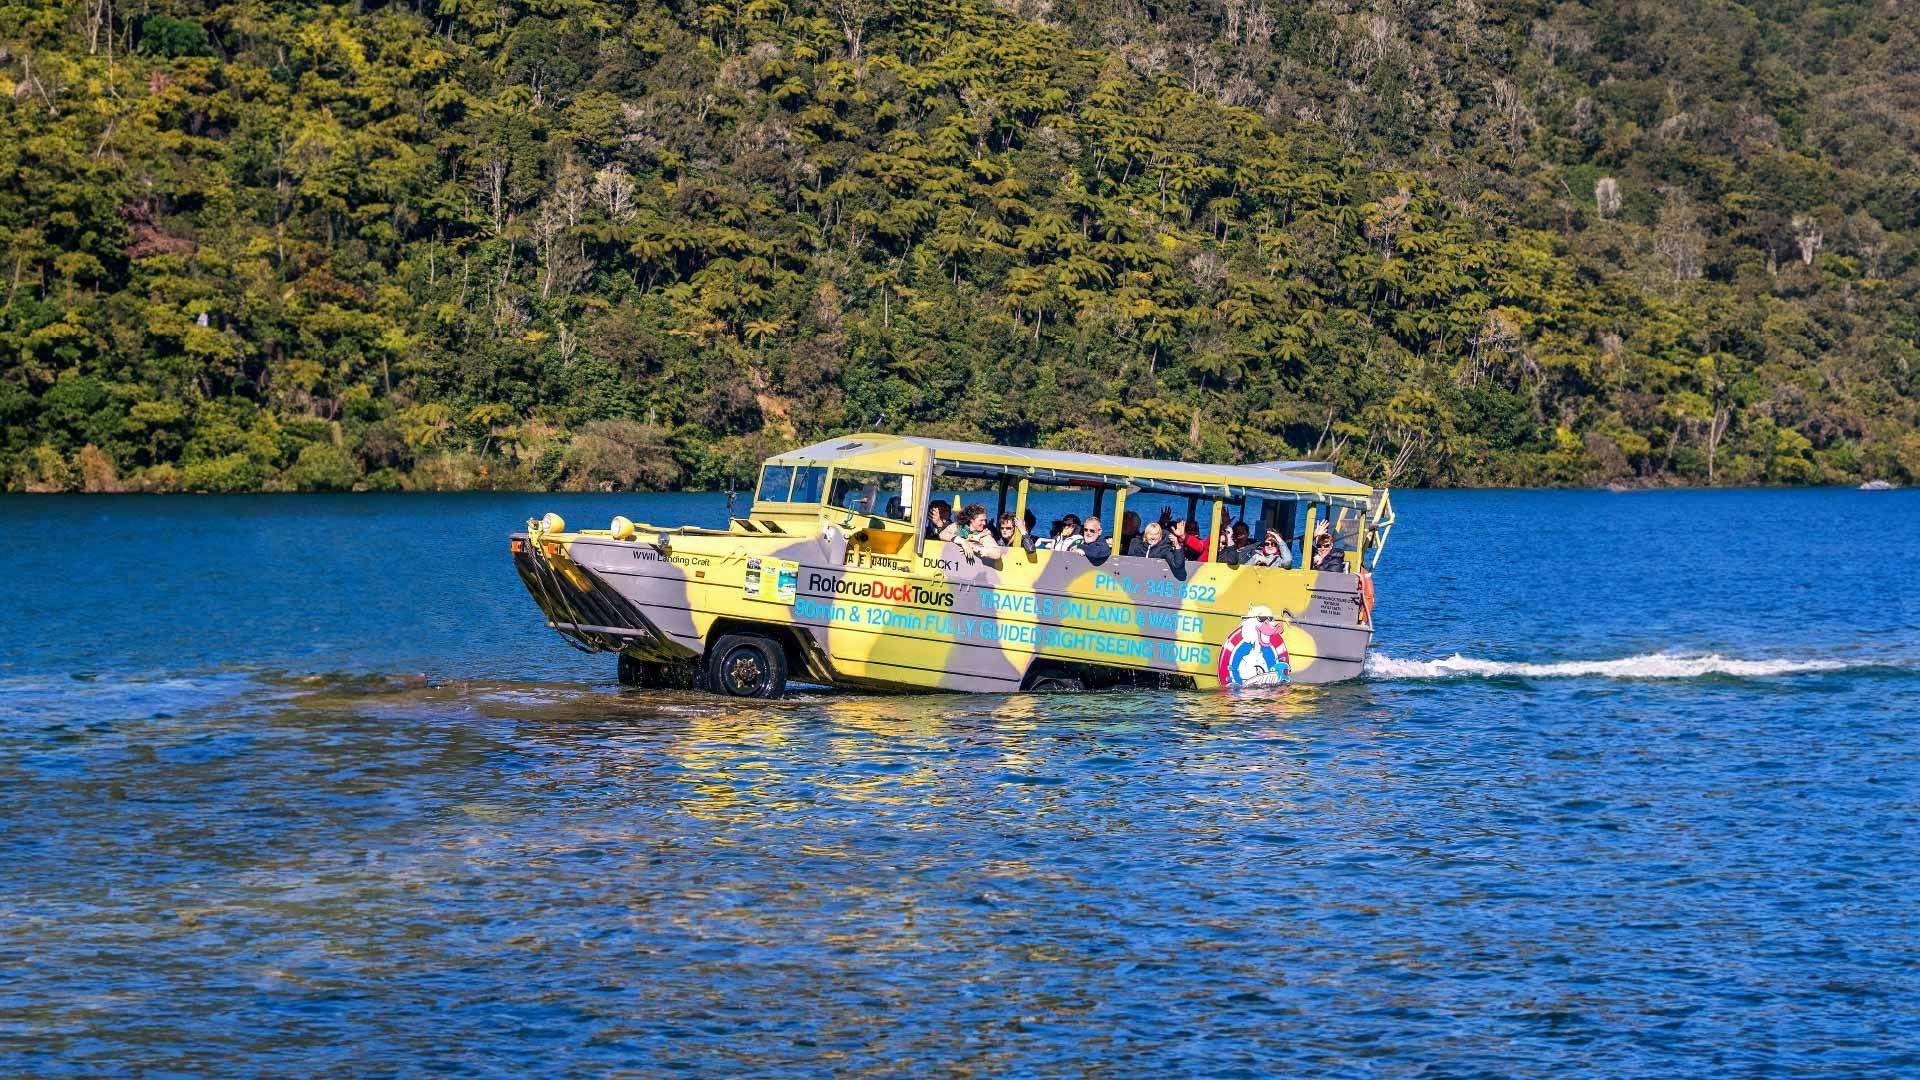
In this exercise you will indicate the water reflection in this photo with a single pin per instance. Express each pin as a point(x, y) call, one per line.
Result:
point(585, 879)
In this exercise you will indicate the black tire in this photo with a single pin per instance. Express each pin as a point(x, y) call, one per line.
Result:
point(1057, 684)
point(633, 671)
point(747, 665)
point(654, 675)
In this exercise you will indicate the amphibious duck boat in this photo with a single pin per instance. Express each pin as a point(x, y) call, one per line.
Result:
point(834, 576)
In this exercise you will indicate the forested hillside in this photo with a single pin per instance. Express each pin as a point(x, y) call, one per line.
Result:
point(584, 243)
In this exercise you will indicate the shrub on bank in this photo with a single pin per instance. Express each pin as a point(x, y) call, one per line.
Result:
point(323, 467)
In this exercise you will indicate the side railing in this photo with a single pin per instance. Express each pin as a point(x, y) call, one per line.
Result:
point(1380, 519)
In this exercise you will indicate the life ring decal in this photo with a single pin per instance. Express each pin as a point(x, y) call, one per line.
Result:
point(1255, 654)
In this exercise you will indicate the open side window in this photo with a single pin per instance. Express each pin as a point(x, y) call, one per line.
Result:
point(955, 487)
point(1348, 520)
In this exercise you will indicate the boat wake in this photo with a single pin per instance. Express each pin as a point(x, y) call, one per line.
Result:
point(1660, 665)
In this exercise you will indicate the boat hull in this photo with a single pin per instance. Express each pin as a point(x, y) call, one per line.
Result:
point(934, 619)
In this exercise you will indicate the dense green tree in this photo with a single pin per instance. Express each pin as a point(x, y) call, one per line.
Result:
point(588, 243)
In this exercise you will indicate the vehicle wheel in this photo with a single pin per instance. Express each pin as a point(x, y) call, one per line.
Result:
point(747, 665)
point(1057, 684)
point(681, 675)
point(655, 675)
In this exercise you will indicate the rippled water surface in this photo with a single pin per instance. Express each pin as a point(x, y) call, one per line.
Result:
point(302, 785)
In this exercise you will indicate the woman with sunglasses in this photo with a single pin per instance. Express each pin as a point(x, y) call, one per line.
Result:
point(1325, 558)
point(1009, 529)
point(1272, 551)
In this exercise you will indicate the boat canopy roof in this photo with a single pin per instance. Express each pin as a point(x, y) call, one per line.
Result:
point(883, 452)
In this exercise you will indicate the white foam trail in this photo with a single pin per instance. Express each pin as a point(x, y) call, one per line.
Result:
point(1648, 666)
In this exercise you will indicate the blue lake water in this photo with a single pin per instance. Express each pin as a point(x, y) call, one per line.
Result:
point(303, 785)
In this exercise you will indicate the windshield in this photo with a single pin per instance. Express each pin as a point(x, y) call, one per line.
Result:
point(775, 480)
point(809, 483)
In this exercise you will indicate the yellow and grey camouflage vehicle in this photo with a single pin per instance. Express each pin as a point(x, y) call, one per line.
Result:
point(839, 575)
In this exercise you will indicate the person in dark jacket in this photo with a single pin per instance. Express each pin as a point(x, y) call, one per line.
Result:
point(1325, 558)
point(1154, 543)
point(1236, 548)
point(1192, 544)
point(1093, 545)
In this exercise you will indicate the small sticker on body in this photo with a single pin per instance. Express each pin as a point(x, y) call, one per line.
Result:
point(782, 576)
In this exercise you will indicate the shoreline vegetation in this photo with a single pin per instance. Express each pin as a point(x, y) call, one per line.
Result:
point(593, 245)
point(746, 495)
point(465, 473)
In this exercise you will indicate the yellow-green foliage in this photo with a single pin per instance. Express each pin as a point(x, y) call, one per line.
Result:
point(592, 244)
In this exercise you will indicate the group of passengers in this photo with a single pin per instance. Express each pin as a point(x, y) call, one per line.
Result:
point(1238, 549)
point(1273, 550)
point(1173, 541)
point(1178, 542)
